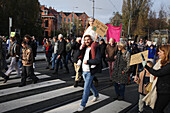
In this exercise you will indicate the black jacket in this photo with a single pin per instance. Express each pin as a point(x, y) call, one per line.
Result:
point(97, 61)
point(75, 47)
point(61, 48)
point(163, 74)
point(102, 49)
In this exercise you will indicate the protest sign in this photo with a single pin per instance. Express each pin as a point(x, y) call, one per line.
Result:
point(136, 58)
point(12, 34)
point(99, 28)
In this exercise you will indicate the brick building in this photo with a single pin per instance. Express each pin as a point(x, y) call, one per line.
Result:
point(69, 22)
point(51, 21)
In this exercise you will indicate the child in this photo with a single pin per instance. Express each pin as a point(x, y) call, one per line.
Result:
point(142, 80)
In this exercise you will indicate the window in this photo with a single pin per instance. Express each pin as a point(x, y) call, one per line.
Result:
point(46, 23)
point(61, 15)
point(68, 19)
point(84, 16)
point(72, 15)
point(45, 12)
point(64, 19)
point(85, 21)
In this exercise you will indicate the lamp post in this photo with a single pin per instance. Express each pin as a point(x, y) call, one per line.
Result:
point(10, 25)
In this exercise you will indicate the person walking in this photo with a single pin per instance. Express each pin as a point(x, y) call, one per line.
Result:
point(75, 46)
point(142, 80)
point(121, 68)
point(48, 53)
point(2, 56)
point(68, 52)
point(111, 52)
point(14, 53)
point(61, 54)
point(54, 54)
point(27, 68)
point(163, 74)
point(88, 72)
point(102, 47)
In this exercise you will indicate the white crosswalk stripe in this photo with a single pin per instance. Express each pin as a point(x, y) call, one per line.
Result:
point(30, 87)
point(72, 107)
point(114, 107)
point(19, 80)
point(10, 105)
point(22, 101)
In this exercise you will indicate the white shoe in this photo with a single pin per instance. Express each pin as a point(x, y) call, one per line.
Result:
point(95, 99)
point(81, 108)
point(93, 66)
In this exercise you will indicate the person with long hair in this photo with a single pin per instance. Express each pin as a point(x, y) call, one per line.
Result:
point(94, 36)
point(163, 74)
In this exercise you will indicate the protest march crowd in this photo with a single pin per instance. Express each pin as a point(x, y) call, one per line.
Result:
point(87, 55)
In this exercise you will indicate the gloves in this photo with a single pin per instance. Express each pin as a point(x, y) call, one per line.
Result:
point(144, 63)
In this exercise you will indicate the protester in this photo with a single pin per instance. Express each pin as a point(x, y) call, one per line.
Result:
point(54, 54)
point(27, 68)
point(75, 46)
point(111, 51)
point(143, 80)
point(151, 53)
point(88, 72)
point(14, 53)
point(163, 74)
point(2, 56)
point(94, 36)
point(68, 52)
point(102, 47)
point(33, 45)
point(48, 53)
point(61, 54)
point(121, 68)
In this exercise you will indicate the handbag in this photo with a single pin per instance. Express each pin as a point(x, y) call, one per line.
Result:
point(148, 87)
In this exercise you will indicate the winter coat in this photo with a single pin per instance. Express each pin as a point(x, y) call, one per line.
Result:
point(122, 63)
point(75, 46)
point(163, 74)
point(102, 49)
point(111, 51)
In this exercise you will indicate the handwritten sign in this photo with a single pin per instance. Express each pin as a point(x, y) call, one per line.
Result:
point(100, 28)
point(12, 34)
point(136, 58)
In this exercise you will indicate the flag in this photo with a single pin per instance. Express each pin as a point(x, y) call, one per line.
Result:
point(113, 32)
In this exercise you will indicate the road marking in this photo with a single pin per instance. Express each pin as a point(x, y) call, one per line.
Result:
point(19, 80)
point(105, 68)
point(30, 87)
point(113, 107)
point(72, 107)
point(14, 104)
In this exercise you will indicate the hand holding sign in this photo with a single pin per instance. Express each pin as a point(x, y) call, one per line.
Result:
point(100, 28)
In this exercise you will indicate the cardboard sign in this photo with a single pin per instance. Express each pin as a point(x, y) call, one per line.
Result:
point(12, 34)
point(136, 58)
point(100, 28)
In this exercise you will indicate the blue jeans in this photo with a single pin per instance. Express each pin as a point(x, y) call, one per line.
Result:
point(119, 89)
point(54, 60)
point(68, 57)
point(88, 85)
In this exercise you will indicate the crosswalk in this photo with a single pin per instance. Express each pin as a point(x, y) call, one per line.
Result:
point(35, 97)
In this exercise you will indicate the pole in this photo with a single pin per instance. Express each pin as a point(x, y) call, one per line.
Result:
point(10, 25)
point(93, 8)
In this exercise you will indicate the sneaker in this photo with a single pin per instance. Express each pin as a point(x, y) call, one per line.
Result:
point(93, 66)
point(81, 108)
point(75, 83)
point(51, 68)
point(95, 99)
point(55, 73)
point(6, 79)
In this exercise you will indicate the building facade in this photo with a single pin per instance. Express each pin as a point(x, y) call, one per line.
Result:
point(70, 22)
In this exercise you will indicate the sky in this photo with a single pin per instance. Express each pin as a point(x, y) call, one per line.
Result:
point(103, 8)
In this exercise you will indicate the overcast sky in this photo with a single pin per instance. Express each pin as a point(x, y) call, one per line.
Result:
point(103, 8)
